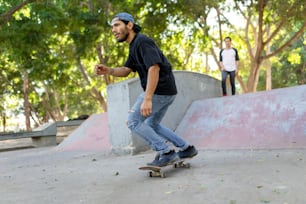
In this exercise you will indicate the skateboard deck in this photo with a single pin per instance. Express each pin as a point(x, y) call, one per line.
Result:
point(156, 171)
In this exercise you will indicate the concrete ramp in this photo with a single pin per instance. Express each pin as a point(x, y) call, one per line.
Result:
point(263, 120)
point(91, 135)
point(122, 96)
point(269, 119)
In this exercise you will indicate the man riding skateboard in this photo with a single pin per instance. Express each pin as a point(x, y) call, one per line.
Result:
point(158, 83)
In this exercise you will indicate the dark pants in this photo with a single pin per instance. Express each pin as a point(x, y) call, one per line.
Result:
point(232, 79)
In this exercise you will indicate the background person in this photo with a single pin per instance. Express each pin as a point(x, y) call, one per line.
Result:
point(229, 59)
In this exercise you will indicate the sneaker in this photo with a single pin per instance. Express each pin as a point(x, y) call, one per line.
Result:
point(165, 159)
point(154, 162)
point(188, 153)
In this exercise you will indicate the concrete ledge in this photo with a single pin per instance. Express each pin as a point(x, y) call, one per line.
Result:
point(44, 141)
point(50, 130)
point(121, 96)
point(44, 136)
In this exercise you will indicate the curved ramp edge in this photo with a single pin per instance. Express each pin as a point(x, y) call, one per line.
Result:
point(91, 135)
point(262, 120)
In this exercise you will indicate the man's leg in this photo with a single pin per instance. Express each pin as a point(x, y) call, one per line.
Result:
point(154, 120)
point(223, 82)
point(161, 104)
point(137, 125)
point(232, 79)
point(155, 134)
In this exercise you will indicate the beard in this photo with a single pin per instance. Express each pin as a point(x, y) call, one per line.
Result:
point(126, 35)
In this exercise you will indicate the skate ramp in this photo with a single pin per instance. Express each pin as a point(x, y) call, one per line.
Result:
point(263, 120)
point(92, 135)
point(269, 119)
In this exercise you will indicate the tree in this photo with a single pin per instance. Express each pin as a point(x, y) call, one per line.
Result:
point(263, 29)
point(50, 47)
point(289, 67)
point(13, 7)
point(270, 29)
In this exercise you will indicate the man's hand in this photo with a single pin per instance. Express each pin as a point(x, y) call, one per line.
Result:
point(221, 67)
point(146, 108)
point(101, 69)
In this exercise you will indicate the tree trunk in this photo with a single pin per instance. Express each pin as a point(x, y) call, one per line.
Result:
point(207, 68)
point(253, 77)
point(268, 78)
point(268, 65)
point(3, 117)
point(242, 84)
point(26, 100)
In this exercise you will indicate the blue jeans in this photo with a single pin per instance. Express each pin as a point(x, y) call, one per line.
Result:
point(150, 129)
point(232, 80)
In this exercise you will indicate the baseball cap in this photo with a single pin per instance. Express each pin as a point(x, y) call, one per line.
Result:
point(126, 17)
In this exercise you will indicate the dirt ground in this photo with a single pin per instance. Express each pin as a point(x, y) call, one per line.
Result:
point(43, 175)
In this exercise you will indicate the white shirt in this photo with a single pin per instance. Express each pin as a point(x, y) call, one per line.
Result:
point(229, 57)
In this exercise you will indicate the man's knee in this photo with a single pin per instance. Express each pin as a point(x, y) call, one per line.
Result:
point(131, 124)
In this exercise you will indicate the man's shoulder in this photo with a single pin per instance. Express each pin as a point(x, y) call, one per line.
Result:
point(139, 40)
point(229, 50)
point(142, 40)
point(142, 37)
point(234, 49)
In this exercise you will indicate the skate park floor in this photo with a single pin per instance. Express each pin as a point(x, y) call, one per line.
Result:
point(43, 175)
point(259, 162)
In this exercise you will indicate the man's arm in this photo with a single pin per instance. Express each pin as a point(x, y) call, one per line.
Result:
point(237, 65)
point(237, 60)
point(153, 77)
point(221, 66)
point(101, 69)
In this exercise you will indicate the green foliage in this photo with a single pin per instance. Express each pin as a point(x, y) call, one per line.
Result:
point(289, 69)
point(51, 39)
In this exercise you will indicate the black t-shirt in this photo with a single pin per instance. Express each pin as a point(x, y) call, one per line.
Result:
point(143, 54)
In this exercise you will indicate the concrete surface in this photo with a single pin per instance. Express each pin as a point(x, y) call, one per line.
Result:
point(262, 120)
point(121, 96)
point(43, 175)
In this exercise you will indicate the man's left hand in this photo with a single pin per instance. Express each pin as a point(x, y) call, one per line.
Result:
point(146, 108)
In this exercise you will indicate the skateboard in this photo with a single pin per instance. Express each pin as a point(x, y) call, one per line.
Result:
point(156, 171)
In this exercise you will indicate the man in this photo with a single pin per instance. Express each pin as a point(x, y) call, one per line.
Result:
point(158, 83)
point(229, 65)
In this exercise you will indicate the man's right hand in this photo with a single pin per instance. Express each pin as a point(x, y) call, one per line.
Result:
point(101, 69)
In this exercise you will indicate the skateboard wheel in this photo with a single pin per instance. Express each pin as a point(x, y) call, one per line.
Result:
point(150, 174)
point(175, 165)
